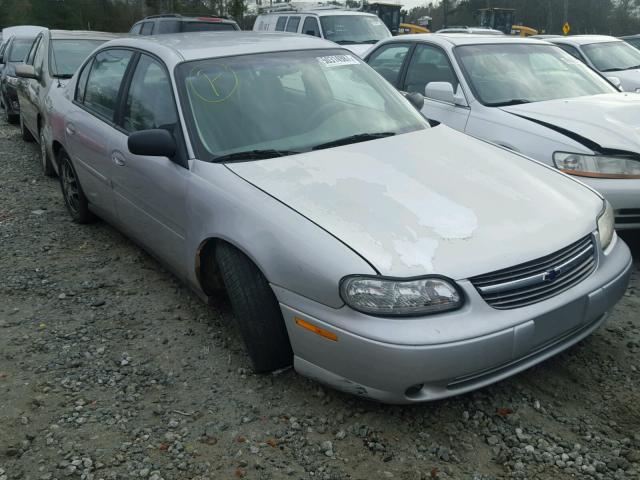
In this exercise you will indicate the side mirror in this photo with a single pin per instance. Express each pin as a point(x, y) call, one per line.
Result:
point(416, 99)
point(153, 143)
point(441, 91)
point(615, 81)
point(26, 71)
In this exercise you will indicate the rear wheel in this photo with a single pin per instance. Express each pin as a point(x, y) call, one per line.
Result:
point(256, 310)
point(8, 116)
point(47, 168)
point(74, 198)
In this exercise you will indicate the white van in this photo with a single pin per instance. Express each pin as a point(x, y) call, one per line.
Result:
point(355, 30)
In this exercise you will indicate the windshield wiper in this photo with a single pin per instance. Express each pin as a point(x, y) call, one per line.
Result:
point(360, 137)
point(613, 69)
point(63, 75)
point(513, 101)
point(632, 68)
point(253, 155)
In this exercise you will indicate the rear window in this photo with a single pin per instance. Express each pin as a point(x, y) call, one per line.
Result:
point(207, 27)
point(19, 49)
point(168, 26)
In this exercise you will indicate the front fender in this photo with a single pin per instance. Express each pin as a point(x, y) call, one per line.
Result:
point(290, 250)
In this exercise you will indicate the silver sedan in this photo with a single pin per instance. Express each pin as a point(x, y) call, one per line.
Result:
point(380, 256)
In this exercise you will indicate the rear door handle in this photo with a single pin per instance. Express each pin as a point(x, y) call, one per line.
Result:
point(118, 159)
point(70, 129)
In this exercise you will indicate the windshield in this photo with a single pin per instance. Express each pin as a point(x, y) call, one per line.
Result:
point(207, 27)
point(67, 55)
point(612, 56)
point(507, 74)
point(353, 29)
point(19, 49)
point(289, 102)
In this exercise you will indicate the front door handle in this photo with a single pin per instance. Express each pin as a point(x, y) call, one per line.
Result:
point(70, 129)
point(118, 159)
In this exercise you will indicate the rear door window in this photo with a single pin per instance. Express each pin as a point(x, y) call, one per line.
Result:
point(136, 28)
point(105, 79)
point(282, 21)
point(147, 28)
point(292, 24)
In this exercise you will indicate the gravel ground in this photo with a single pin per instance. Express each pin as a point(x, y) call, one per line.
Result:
point(109, 368)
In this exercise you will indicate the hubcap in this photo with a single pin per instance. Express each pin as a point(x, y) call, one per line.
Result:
point(70, 187)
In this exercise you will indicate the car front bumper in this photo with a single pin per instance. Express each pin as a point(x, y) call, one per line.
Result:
point(624, 196)
point(395, 361)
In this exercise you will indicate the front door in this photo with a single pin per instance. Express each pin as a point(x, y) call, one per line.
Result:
point(430, 63)
point(150, 192)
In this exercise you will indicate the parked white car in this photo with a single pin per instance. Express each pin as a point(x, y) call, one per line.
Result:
point(354, 30)
point(612, 57)
point(530, 97)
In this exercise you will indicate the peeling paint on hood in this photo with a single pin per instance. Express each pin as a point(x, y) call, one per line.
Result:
point(432, 201)
point(611, 120)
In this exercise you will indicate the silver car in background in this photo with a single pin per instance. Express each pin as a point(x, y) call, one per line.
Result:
point(530, 97)
point(53, 59)
point(382, 257)
point(615, 59)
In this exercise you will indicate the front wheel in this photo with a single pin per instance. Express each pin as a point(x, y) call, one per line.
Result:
point(77, 204)
point(256, 310)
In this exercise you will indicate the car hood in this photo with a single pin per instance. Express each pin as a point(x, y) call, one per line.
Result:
point(629, 79)
point(432, 201)
point(611, 121)
point(358, 48)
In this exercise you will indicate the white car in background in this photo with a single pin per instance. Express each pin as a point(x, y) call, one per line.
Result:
point(612, 57)
point(354, 30)
point(528, 96)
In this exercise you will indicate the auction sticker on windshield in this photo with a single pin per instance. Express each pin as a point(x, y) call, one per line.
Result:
point(337, 60)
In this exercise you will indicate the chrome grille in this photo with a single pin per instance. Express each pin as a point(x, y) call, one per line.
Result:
point(539, 279)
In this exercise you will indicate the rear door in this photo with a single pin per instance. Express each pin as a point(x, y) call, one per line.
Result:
point(90, 130)
point(150, 192)
point(430, 63)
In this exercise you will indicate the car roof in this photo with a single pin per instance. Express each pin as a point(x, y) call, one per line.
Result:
point(464, 39)
point(584, 39)
point(186, 18)
point(320, 12)
point(174, 48)
point(82, 34)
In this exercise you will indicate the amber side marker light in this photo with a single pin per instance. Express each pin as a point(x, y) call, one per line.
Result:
point(317, 330)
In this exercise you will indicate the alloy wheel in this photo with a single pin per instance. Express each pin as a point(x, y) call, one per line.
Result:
point(70, 187)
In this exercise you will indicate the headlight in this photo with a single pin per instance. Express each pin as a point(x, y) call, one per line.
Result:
point(597, 166)
point(390, 296)
point(606, 225)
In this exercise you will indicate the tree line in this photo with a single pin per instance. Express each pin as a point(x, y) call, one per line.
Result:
point(613, 17)
point(606, 17)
